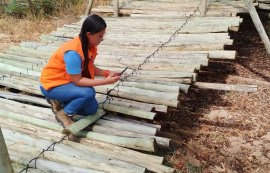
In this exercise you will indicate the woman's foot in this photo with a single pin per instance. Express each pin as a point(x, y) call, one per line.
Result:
point(65, 119)
point(56, 106)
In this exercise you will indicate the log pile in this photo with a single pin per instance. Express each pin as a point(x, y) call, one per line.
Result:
point(108, 144)
point(264, 4)
point(176, 9)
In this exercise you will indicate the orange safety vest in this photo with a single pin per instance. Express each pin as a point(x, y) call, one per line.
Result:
point(55, 74)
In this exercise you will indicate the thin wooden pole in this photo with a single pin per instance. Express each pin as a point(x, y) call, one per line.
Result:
point(258, 24)
point(203, 8)
point(116, 8)
point(89, 7)
point(5, 163)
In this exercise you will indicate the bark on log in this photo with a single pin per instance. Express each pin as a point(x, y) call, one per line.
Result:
point(135, 143)
point(143, 98)
point(94, 146)
point(24, 98)
point(33, 111)
point(84, 122)
point(89, 7)
point(150, 131)
point(72, 152)
point(161, 142)
point(57, 157)
point(46, 165)
point(183, 87)
point(130, 121)
point(136, 106)
point(128, 111)
point(226, 87)
point(31, 120)
point(160, 108)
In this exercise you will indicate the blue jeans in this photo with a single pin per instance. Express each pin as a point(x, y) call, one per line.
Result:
point(75, 99)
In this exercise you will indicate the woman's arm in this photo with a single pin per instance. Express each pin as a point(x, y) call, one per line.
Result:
point(78, 80)
point(100, 72)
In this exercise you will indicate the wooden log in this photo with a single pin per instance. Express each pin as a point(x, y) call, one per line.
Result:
point(183, 87)
point(135, 160)
point(231, 78)
point(116, 8)
point(148, 107)
point(221, 54)
point(143, 98)
point(135, 143)
point(23, 86)
point(96, 147)
point(72, 152)
point(137, 105)
point(57, 157)
point(26, 65)
point(130, 121)
point(136, 128)
point(46, 165)
point(29, 110)
point(257, 22)
point(226, 87)
point(161, 142)
point(155, 74)
point(154, 87)
point(23, 59)
point(31, 120)
point(24, 51)
point(24, 71)
point(128, 12)
point(203, 7)
point(24, 98)
point(143, 92)
point(5, 163)
point(186, 30)
point(264, 6)
point(127, 111)
point(84, 122)
point(135, 61)
point(89, 7)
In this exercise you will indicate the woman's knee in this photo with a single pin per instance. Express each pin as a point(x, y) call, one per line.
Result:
point(90, 108)
point(89, 93)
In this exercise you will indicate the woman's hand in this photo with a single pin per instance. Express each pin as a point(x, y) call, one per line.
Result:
point(112, 79)
point(114, 73)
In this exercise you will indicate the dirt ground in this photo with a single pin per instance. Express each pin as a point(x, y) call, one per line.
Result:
point(214, 131)
point(223, 131)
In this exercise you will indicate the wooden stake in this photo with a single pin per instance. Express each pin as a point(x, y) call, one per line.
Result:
point(203, 8)
point(116, 8)
point(5, 163)
point(89, 7)
point(82, 123)
point(258, 24)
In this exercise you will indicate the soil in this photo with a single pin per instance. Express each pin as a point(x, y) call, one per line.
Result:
point(213, 131)
point(225, 131)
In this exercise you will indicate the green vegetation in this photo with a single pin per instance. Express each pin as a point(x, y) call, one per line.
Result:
point(37, 8)
point(193, 168)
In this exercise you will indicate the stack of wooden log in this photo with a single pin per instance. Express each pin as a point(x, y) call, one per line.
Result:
point(29, 125)
point(264, 4)
point(172, 8)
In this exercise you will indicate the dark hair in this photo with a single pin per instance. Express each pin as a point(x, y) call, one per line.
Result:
point(92, 24)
